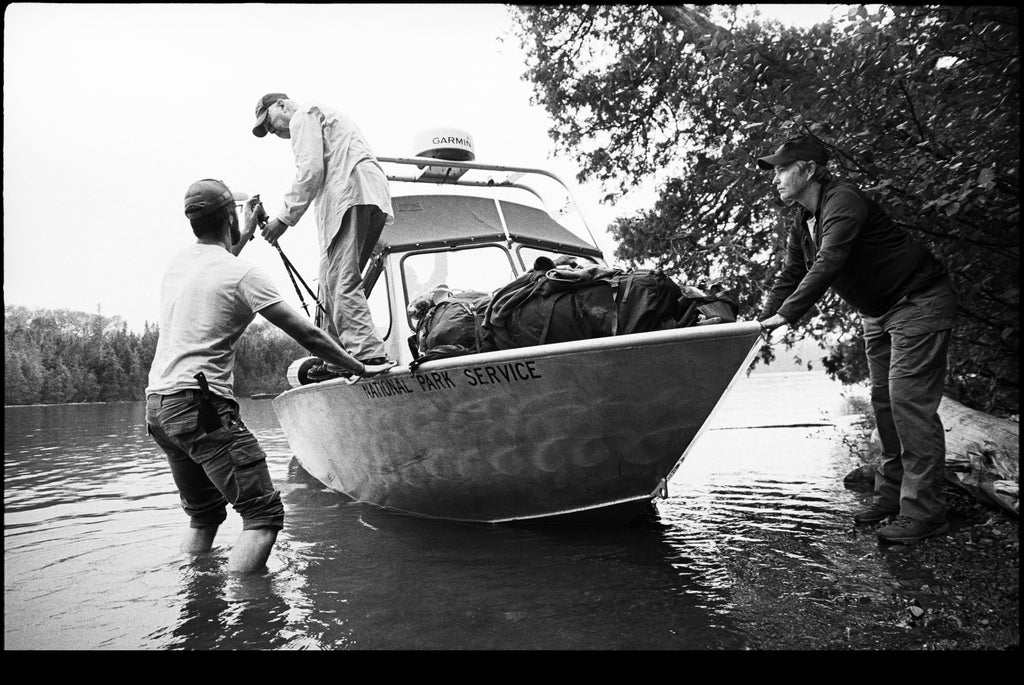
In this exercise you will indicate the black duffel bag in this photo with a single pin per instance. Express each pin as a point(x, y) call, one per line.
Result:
point(565, 303)
point(448, 323)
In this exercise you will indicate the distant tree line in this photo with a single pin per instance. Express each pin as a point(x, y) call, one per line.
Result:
point(59, 356)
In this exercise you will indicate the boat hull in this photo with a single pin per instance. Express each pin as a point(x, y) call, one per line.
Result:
point(577, 432)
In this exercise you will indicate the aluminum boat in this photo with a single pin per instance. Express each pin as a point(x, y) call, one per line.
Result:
point(585, 432)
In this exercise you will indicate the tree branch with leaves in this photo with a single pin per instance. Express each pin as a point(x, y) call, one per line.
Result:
point(919, 105)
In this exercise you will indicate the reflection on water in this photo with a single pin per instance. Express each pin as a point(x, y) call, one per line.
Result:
point(92, 524)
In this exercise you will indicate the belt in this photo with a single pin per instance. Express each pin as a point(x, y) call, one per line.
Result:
point(188, 394)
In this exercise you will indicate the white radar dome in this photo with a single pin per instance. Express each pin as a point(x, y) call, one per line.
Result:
point(447, 143)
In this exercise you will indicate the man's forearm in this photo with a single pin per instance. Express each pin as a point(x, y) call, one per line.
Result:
point(323, 346)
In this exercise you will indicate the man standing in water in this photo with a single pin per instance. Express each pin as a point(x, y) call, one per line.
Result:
point(208, 298)
point(841, 238)
point(335, 167)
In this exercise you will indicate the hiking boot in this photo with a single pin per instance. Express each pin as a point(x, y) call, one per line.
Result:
point(873, 514)
point(376, 365)
point(378, 361)
point(326, 372)
point(905, 529)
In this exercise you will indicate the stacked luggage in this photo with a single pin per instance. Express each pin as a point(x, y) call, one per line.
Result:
point(550, 304)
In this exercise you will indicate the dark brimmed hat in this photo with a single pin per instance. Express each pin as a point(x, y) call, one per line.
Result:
point(261, 112)
point(207, 196)
point(802, 147)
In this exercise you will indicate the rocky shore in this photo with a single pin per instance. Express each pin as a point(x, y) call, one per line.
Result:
point(960, 591)
point(955, 592)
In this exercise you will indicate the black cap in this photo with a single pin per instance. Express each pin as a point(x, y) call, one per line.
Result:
point(802, 147)
point(262, 106)
point(207, 196)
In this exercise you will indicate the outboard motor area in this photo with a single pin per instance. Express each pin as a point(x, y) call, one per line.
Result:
point(444, 143)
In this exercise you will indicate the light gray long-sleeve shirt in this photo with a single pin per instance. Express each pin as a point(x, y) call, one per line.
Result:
point(335, 168)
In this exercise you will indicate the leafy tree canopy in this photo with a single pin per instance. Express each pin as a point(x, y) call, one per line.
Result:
point(919, 105)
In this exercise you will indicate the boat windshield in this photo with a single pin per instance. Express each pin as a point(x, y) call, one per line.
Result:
point(528, 255)
point(484, 269)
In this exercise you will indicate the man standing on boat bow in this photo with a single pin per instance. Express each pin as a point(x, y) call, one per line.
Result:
point(208, 298)
point(335, 167)
point(841, 238)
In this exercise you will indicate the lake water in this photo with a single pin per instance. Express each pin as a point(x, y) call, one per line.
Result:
point(92, 526)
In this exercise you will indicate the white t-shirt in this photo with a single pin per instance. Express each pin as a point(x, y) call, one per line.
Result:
point(208, 298)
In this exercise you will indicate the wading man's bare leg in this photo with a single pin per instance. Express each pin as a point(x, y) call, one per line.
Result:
point(198, 540)
point(251, 550)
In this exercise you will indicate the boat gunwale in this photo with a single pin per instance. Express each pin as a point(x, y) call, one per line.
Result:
point(643, 340)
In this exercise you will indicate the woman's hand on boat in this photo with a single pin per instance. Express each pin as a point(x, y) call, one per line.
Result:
point(773, 322)
point(770, 324)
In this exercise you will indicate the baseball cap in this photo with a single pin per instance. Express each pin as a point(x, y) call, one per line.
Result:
point(207, 196)
point(262, 106)
point(802, 147)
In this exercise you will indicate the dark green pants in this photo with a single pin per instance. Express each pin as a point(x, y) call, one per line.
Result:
point(906, 352)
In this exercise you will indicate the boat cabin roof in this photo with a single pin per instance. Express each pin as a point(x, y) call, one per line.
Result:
point(430, 221)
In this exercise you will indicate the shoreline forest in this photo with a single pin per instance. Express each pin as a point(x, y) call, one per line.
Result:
point(56, 356)
point(59, 356)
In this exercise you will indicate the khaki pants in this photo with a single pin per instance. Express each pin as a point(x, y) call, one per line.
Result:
point(341, 291)
point(906, 352)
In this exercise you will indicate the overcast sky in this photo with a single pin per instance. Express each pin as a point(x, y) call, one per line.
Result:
point(111, 111)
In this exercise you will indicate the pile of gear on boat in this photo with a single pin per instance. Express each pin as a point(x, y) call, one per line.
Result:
point(559, 301)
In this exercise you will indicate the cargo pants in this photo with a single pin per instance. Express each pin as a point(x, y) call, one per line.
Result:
point(211, 469)
point(906, 352)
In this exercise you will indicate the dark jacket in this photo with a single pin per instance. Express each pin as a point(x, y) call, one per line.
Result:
point(866, 258)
